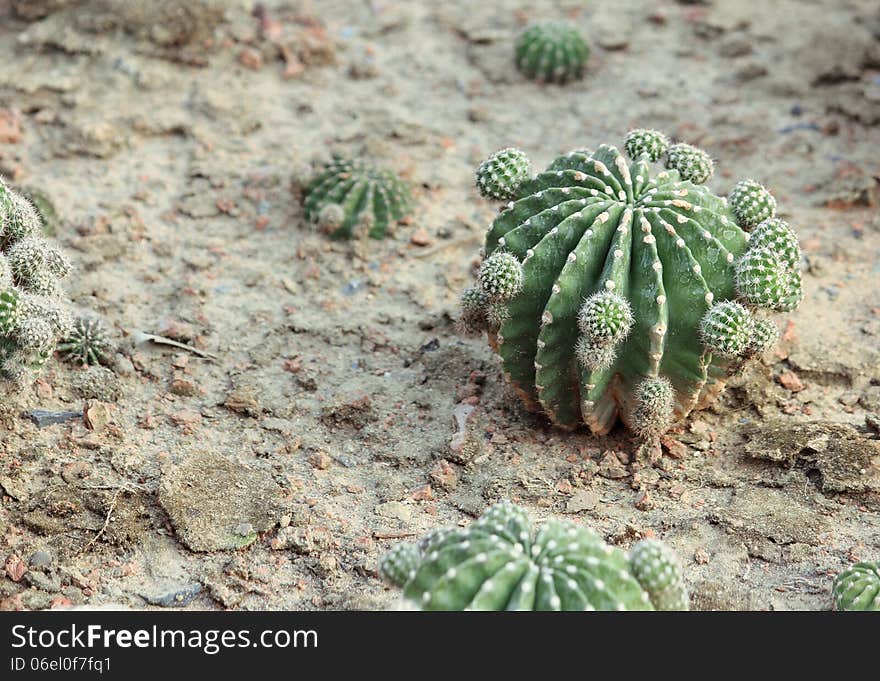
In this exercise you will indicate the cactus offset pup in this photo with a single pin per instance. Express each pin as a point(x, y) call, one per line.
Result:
point(611, 291)
point(352, 198)
point(500, 562)
point(33, 315)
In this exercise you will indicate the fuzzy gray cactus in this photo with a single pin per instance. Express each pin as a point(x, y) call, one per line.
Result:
point(33, 315)
point(552, 52)
point(858, 588)
point(352, 197)
point(609, 292)
point(501, 562)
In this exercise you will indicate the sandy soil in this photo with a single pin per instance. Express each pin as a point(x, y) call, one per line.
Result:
point(272, 475)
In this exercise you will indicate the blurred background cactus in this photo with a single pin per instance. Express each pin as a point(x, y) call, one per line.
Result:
point(501, 562)
point(86, 343)
point(33, 314)
point(552, 52)
point(610, 292)
point(351, 198)
point(858, 588)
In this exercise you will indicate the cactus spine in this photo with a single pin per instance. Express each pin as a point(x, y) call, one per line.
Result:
point(352, 197)
point(611, 292)
point(32, 313)
point(500, 562)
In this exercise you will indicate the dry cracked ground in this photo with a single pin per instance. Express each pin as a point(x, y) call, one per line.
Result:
point(327, 413)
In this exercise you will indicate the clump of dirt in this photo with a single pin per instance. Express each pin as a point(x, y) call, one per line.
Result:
point(217, 505)
point(835, 456)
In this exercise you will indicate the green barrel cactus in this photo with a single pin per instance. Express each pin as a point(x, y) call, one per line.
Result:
point(33, 315)
point(501, 562)
point(552, 52)
point(86, 343)
point(610, 291)
point(353, 197)
point(858, 588)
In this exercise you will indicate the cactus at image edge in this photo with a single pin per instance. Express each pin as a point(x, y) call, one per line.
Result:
point(610, 291)
point(352, 197)
point(551, 51)
point(858, 588)
point(33, 315)
point(659, 572)
point(501, 562)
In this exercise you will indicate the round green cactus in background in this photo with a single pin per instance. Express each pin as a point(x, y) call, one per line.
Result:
point(552, 52)
point(612, 291)
point(353, 197)
point(858, 588)
point(87, 342)
point(501, 562)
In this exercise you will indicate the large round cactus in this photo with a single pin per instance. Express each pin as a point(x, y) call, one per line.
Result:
point(609, 291)
point(33, 315)
point(858, 588)
point(500, 562)
point(351, 197)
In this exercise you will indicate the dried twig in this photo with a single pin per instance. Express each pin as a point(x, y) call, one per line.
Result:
point(140, 337)
point(106, 521)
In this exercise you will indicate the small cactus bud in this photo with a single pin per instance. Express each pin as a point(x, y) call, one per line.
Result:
point(474, 304)
point(499, 176)
point(552, 52)
point(651, 143)
point(496, 315)
point(763, 280)
point(18, 217)
point(35, 334)
point(9, 311)
point(330, 218)
point(727, 329)
point(605, 317)
point(858, 588)
point(6, 280)
point(751, 203)
point(653, 412)
point(659, 572)
point(776, 236)
point(501, 276)
point(691, 163)
point(594, 356)
point(49, 309)
point(764, 336)
point(400, 563)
